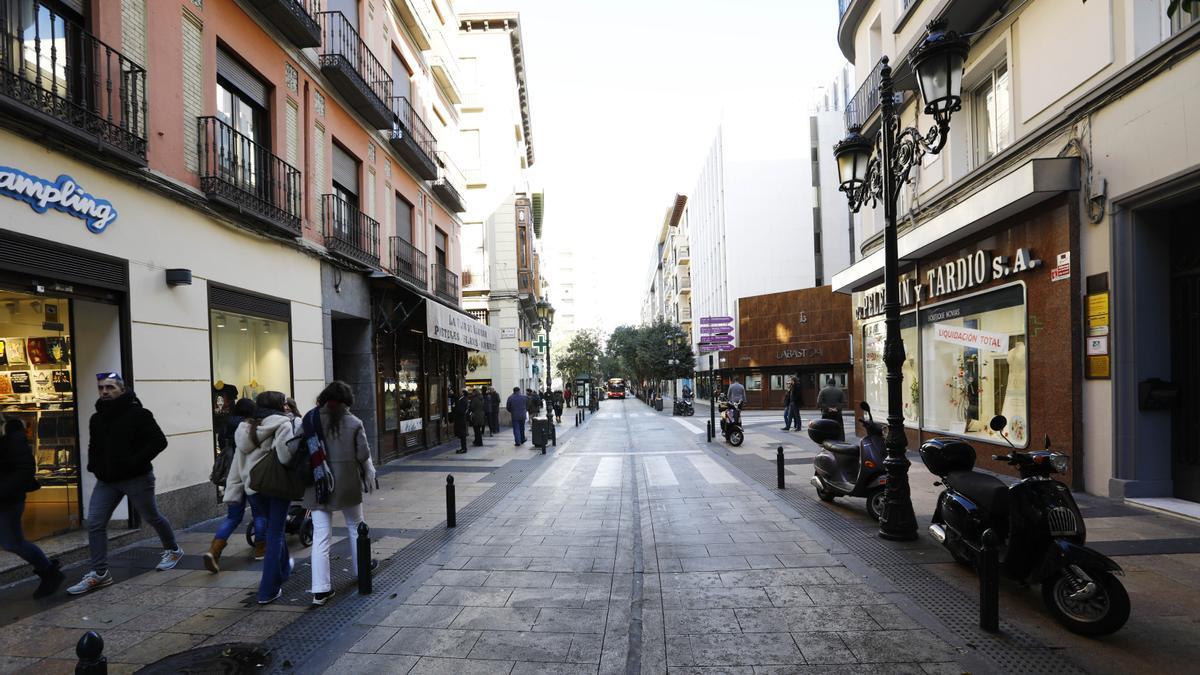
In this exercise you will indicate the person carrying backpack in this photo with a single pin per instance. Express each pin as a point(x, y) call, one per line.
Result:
point(234, 495)
point(333, 431)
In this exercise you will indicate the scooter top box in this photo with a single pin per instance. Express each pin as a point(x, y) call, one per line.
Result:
point(943, 455)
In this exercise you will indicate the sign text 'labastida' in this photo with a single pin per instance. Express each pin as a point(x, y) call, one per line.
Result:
point(63, 195)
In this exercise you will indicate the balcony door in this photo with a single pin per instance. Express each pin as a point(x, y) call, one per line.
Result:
point(441, 248)
point(348, 8)
point(345, 188)
point(401, 78)
point(46, 44)
point(242, 140)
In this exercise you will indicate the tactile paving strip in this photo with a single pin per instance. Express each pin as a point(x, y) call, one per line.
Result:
point(1010, 651)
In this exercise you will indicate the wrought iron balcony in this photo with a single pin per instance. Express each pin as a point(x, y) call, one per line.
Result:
point(450, 184)
point(246, 178)
point(445, 283)
point(865, 103)
point(412, 139)
point(60, 77)
point(525, 282)
point(294, 18)
point(349, 233)
point(354, 70)
point(409, 264)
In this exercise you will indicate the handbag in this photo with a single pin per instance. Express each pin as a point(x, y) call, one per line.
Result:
point(274, 479)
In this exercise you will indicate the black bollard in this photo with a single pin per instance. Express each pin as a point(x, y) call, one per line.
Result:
point(989, 583)
point(90, 651)
point(779, 466)
point(708, 431)
point(364, 559)
point(450, 514)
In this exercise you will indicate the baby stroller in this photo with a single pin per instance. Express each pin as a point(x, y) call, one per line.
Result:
point(299, 522)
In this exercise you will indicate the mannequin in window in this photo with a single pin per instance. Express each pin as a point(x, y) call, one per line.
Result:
point(223, 397)
point(1014, 393)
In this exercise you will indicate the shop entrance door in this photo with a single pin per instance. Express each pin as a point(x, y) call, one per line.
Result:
point(1185, 360)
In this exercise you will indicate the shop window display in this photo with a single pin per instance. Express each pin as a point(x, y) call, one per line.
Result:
point(250, 355)
point(875, 370)
point(754, 382)
point(402, 399)
point(37, 387)
point(974, 364)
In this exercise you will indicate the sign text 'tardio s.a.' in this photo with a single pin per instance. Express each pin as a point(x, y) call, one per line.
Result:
point(957, 275)
point(63, 194)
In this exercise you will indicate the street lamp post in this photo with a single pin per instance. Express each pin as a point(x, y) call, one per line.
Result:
point(546, 313)
point(874, 170)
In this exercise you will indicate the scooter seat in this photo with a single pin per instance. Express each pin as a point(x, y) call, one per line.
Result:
point(988, 492)
point(841, 448)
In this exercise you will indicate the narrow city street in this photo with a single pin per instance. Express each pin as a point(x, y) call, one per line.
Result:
point(631, 546)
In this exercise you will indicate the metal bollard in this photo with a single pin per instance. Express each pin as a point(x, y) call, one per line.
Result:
point(90, 651)
point(989, 583)
point(364, 559)
point(708, 431)
point(450, 514)
point(779, 466)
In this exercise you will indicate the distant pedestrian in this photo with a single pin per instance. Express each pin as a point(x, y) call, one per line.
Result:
point(558, 406)
point(270, 430)
point(123, 440)
point(234, 495)
point(831, 400)
point(494, 414)
point(488, 407)
point(478, 416)
point(17, 469)
point(797, 398)
point(348, 458)
point(459, 416)
point(787, 406)
point(518, 407)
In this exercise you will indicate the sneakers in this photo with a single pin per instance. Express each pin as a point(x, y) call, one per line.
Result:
point(170, 559)
point(278, 594)
point(51, 580)
point(90, 582)
point(260, 550)
point(320, 599)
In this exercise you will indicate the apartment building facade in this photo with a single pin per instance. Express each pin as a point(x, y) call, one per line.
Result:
point(1052, 223)
point(504, 217)
point(227, 197)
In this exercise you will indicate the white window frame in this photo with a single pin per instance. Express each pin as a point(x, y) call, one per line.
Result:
point(988, 83)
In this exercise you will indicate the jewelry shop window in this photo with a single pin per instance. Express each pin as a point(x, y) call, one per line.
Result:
point(875, 370)
point(974, 365)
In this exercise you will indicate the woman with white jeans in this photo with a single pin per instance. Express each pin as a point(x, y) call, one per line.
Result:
point(348, 460)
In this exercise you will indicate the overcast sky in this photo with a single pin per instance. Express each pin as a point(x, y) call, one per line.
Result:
point(626, 96)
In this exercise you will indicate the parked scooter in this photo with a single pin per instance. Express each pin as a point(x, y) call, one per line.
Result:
point(731, 422)
point(1039, 526)
point(846, 469)
point(683, 407)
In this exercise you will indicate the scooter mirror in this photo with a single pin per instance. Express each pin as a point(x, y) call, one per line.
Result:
point(1047, 441)
point(864, 406)
point(998, 423)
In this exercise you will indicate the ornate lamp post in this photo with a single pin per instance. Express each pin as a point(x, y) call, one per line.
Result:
point(545, 312)
point(874, 170)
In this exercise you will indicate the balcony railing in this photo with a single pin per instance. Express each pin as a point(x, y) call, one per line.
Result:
point(412, 139)
point(685, 283)
point(354, 70)
point(296, 19)
point(349, 233)
point(866, 101)
point(683, 254)
point(56, 74)
point(445, 283)
point(450, 184)
point(525, 282)
point(244, 176)
point(409, 264)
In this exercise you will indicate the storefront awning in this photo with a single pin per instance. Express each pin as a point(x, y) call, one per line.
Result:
point(450, 325)
point(1035, 181)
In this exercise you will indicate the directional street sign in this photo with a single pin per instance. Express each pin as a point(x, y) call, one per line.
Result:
point(716, 339)
point(715, 330)
point(716, 319)
point(715, 348)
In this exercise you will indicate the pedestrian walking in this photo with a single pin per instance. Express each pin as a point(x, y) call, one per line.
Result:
point(831, 400)
point(494, 416)
point(347, 457)
point(737, 392)
point(787, 406)
point(797, 398)
point(517, 406)
point(234, 494)
point(270, 430)
point(558, 406)
point(478, 414)
point(17, 469)
point(123, 441)
point(459, 416)
point(488, 408)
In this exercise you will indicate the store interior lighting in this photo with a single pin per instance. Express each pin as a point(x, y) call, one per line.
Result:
point(243, 325)
point(220, 321)
point(267, 327)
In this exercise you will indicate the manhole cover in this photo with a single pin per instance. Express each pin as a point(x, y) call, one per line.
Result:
point(228, 659)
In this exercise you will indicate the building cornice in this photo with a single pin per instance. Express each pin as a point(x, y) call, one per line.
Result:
point(510, 22)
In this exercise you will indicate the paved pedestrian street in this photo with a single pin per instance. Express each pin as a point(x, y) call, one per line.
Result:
point(631, 546)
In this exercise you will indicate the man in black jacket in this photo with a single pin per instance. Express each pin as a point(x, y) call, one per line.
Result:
point(17, 470)
point(123, 440)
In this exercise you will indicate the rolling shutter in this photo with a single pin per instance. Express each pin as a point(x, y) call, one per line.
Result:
point(236, 74)
point(345, 169)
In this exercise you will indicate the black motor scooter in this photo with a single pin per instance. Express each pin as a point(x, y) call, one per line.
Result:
point(846, 469)
point(683, 407)
point(1038, 525)
point(731, 422)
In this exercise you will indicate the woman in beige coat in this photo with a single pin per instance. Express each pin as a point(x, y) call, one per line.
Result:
point(349, 460)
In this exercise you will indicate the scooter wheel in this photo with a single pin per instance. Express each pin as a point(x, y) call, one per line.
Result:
point(250, 533)
point(690, 412)
point(306, 533)
point(875, 500)
point(1103, 613)
point(736, 437)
